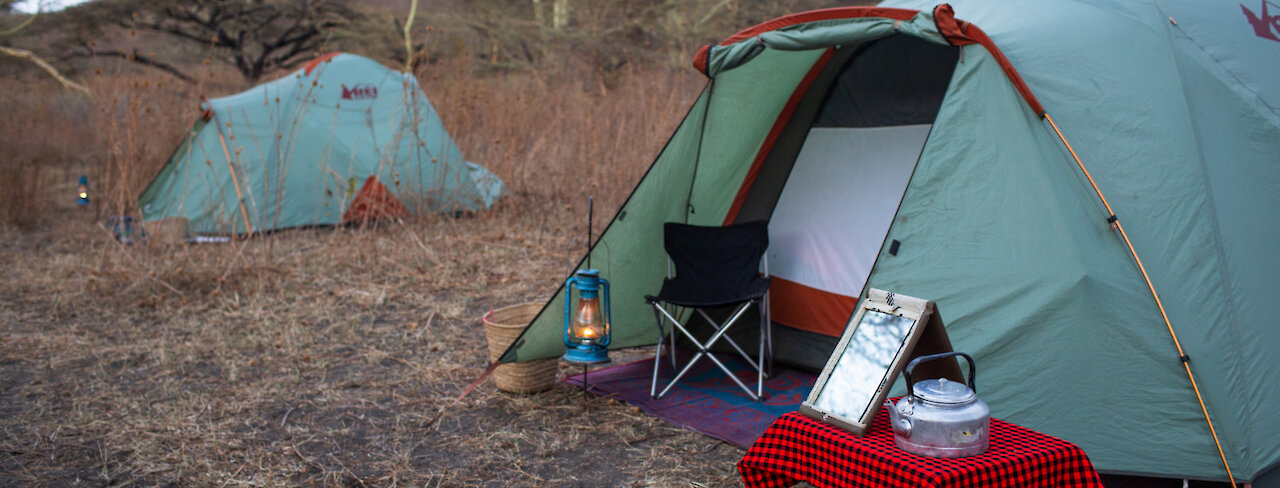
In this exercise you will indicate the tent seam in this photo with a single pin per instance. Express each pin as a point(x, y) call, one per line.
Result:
point(1224, 271)
point(1154, 295)
point(1275, 111)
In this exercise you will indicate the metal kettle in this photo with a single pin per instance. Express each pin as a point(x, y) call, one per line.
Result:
point(939, 417)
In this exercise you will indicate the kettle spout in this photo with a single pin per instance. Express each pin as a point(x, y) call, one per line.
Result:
point(899, 419)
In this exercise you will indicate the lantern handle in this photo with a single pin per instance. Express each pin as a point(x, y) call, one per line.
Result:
point(568, 313)
point(608, 316)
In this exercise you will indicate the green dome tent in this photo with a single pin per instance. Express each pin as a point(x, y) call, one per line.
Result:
point(909, 151)
point(341, 139)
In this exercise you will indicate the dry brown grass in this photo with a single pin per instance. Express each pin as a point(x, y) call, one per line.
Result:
point(317, 357)
point(119, 138)
point(556, 140)
point(317, 362)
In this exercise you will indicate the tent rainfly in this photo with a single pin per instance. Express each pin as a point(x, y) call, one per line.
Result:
point(1059, 176)
point(342, 139)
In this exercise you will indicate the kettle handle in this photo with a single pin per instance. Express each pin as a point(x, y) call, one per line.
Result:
point(910, 366)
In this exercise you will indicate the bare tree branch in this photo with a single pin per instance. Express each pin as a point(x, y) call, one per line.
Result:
point(23, 25)
point(408, 38)
point(90, 52)
point(30, 56)
point(258, 36)
point(33, 57)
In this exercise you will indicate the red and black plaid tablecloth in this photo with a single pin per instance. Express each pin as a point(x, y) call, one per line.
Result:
point(797, 448)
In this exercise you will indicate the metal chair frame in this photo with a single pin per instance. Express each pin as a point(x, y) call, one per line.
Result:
point(765, 357)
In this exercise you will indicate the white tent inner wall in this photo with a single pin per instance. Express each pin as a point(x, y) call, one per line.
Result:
point(834, 213)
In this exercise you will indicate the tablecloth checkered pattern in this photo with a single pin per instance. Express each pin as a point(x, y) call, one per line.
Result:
point(797, 448)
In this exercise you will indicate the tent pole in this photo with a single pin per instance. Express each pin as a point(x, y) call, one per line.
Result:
point(234, 180)
point(1186, 364)
point(230, 167)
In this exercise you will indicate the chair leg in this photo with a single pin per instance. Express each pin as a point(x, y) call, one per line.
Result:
point(657, 353)
point(768, 324)
point(704, 349)
point(767, 311)
point(721, 333)
point(671, 349)
point(662, 315)
point(722, 329)
point(694, 361)
point(688, 366)
point(761, 357)
point(754, 397)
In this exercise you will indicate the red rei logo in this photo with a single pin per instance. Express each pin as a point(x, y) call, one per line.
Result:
point(1265, 25)
point(361, 91)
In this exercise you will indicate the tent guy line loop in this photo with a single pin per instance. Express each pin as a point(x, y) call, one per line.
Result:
point(465, 391)
point(697, 160)
point(1182, 356)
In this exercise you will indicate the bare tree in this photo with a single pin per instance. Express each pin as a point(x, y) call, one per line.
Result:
point(254, 36)
point(6, 6)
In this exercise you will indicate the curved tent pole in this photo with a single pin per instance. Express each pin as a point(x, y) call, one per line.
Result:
point(230, 167)
point(1182, 356)
point(949, 29)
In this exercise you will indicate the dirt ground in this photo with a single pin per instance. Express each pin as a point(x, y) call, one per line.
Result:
point(313, 357)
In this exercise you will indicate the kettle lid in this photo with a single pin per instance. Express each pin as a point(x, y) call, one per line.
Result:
point(943, 391)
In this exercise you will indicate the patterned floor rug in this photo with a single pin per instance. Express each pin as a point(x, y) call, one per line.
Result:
point(706, 400)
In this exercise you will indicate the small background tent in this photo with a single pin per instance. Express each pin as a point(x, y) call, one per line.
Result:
point(906, 150)
point(341, 139)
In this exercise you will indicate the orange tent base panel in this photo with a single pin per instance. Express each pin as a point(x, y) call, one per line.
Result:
point(374, 202)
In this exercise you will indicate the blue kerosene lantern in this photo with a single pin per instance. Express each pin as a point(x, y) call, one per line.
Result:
point(83, 193)
point(586, 335)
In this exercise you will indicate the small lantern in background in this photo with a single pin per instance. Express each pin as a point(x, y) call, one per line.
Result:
point(83, 192)
point(586, 334)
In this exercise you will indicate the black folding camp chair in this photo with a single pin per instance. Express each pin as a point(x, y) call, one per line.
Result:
point(715, 267)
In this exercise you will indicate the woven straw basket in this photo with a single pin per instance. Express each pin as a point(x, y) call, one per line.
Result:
point(501, 328)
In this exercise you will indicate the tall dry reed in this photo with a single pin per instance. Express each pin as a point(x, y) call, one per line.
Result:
point(42, 145)
point(554, 136)
point(557, 139)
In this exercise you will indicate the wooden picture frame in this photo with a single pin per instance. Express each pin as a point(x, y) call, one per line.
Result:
point(886, 331)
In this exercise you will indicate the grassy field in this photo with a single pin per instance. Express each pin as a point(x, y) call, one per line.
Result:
point(314, 357)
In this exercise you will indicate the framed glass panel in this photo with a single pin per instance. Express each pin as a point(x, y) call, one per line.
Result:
point(876, 343)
